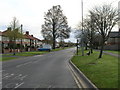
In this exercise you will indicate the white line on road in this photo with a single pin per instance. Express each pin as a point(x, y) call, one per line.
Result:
point(19, 85)
point(5, 74)
point(23, 77)
point(71, 70)
point(37, 55)
point(23, 64)
point(8, 76)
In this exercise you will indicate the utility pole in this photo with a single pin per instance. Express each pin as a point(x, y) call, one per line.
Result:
point(82, 29)
point(21, 37)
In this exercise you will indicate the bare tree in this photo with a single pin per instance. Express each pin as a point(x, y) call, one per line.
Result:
point(89, 31)
point(55, 25)
point(14, 33)
point(105, 18)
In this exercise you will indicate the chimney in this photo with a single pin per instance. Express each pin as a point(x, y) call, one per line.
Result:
point(27, 32)
point(32, 35)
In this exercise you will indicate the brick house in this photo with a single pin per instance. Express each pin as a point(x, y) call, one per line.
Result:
point(29, 43)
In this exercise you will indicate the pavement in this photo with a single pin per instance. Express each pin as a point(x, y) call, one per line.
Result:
point(112, 54)
point(49, 70)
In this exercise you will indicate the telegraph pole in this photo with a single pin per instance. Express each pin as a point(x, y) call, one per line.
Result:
point(21, 37)
point(82, 29)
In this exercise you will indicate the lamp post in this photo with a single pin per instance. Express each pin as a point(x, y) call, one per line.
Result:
point(82, 29)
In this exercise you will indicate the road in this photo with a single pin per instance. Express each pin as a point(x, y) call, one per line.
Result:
point(41, 71)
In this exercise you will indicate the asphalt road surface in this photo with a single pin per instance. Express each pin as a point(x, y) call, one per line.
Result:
point(41, 71)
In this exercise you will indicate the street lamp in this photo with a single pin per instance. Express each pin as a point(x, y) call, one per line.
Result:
point(82, 29)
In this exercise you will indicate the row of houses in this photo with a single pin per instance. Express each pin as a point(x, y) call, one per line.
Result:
point(27, 43)
point(31, 43)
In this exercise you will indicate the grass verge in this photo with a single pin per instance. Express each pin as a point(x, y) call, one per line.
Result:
point(102, 72)
point(24, 54)
point(7, 58)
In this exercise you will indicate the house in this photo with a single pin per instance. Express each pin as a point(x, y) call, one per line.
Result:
point(27, 43)
point(113, 42)
point(30, 42)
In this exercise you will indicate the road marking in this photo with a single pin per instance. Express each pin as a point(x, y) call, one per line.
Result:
point(8, 76)
point(50, 86)
point(17, 76)
point(71, 70)
point(23, 64)
point(5, 74)
point(37, 55)
point(23, 77)
point(18, 85)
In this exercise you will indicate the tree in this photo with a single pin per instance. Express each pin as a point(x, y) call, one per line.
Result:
point(55, 25)
point(14, 33)
point(89, 31)
point(105, 18)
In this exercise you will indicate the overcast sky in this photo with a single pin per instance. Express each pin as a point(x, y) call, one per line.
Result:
point(30, 13)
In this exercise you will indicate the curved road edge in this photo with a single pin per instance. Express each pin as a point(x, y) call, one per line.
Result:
point(81, 80)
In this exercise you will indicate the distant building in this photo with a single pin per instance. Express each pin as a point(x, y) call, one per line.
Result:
point(113, 42)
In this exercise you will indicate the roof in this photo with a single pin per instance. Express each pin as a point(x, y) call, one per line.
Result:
point(31, 37)
point(28, 37)
point(25, 36)
point(114, 34)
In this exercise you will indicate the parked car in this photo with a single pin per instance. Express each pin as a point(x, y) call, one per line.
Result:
point(45, 47)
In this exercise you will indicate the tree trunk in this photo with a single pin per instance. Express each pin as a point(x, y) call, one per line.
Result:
point(53, 42)
point(91, 50)
point(101, 51)
point(86, 46)
point(14, 47)
point(2, 47)
point(54, 35)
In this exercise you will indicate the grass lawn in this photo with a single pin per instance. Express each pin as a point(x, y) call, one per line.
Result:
point(102, 72)
point(7, 58)
point(27, 53)
point(58, 49)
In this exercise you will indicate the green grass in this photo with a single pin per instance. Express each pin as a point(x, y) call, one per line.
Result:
point(18, 55)
point(102, 72)
point(7, 58)
point(58, 49)
point(27, 53)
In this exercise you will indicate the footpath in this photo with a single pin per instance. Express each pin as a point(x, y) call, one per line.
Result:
point(112, 54)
